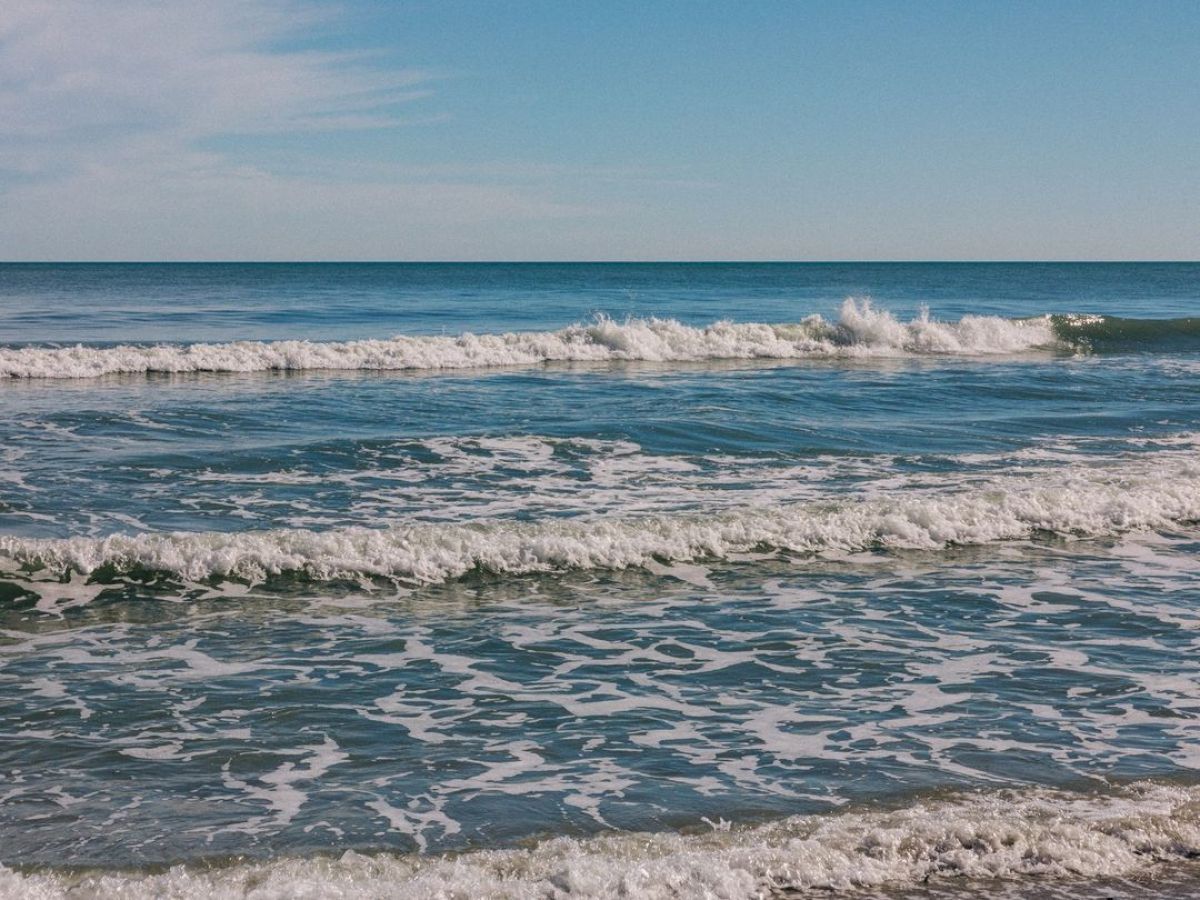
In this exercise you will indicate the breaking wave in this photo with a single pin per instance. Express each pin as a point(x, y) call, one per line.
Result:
point(860, 331)
point(1147, 494)
point(1014, 835)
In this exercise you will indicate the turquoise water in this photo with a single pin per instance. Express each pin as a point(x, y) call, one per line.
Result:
point(677, 580)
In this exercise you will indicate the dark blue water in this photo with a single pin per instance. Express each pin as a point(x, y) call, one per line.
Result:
point(101, 302)
point(893, 567)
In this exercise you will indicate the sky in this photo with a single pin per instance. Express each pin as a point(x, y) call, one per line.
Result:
point(599, 129)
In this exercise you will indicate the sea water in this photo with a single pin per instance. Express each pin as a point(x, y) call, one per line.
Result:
point(599, 580)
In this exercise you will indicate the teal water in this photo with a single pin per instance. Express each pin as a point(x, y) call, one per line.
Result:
point(677, 580)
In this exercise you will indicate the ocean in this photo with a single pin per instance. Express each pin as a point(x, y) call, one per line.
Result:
point(599, 580)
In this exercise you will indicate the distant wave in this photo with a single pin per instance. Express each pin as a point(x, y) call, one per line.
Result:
point(1144, 494)
point(971, 840)
point(860, 331)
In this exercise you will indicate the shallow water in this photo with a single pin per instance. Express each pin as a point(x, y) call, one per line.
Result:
point(602, 605)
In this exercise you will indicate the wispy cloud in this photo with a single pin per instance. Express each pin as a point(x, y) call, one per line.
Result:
point(111, 113)
point(104, 72)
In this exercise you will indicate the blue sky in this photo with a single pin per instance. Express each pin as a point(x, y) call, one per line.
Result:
point(273, 129)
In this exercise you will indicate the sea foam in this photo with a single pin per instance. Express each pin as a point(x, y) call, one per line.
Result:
point(860, 331)
point(1031, 834)
point(1071, 502)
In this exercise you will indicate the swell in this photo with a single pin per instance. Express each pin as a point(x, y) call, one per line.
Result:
point(861, 330)
point(1114, 333)
point(970, 840)
point(1071, 502)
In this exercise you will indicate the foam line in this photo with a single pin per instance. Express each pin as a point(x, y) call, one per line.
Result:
point(1139, 495)
point(1016, 836)
point(860, 331)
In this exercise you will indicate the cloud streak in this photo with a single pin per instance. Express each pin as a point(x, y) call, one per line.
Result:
point(111, 114)
point(91, 70)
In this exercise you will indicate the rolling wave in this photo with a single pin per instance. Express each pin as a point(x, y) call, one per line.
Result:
point(860, 331)
point(971, 840)
point(1114, 333)
point(1138, 495)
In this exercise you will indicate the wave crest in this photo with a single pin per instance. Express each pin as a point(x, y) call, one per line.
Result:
point(860, 331)
point(1152, 494)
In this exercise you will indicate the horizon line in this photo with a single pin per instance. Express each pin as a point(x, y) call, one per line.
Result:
point(592, 262)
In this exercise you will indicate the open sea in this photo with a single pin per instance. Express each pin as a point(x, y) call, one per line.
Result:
point(599, 580)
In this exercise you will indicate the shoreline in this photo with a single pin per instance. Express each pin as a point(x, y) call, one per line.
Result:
point(1030, 843)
